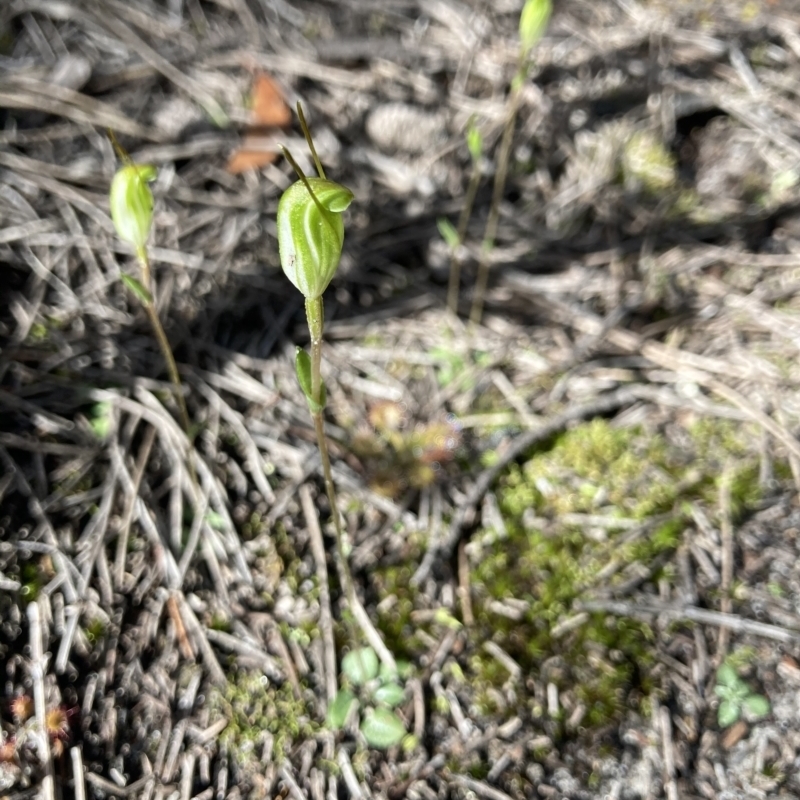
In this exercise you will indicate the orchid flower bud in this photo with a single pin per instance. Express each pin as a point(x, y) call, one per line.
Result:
point(132, 204)
point(532, 23)
point(311, 233)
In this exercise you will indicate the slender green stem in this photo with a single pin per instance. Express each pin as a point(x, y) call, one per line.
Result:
point(463, 222)
point(497, 195)
point(166, 350)
point(315, 318)
point(310, 140)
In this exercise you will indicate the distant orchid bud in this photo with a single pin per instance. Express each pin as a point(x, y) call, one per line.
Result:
point(474, 142)
point(132, 204)
point(532, 23)
point(311, 233)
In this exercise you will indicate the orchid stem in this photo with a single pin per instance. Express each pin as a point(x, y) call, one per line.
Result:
point(315, 318)
point(166, 351)
point(490, 234)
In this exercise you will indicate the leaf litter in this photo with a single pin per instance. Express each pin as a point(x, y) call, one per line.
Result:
point(644, 271)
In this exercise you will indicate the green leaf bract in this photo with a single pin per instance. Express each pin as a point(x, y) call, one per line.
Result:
point(137, 288)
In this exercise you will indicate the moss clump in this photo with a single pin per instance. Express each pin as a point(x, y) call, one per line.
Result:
point(593, 465)
point(647, 162)
point(601, 506)
point(395, 621)
point(276, 559)
point(254, 707)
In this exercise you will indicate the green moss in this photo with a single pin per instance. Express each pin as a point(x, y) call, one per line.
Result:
point(255, 526)
point(33, 577)
point(775, 590)
point(95, 631)
point(646, 161)
point(627, 468)
point(595, 508)
point(276, 560)
point(742, 657)
point(479, 770)
point(254, 706)
point(38, 333)
point(219, 622)
point(399, 631)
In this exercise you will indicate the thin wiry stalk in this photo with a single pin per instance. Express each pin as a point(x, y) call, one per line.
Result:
point(497, 195)
point(163, 343)
point(315, 316)
point(463, 221)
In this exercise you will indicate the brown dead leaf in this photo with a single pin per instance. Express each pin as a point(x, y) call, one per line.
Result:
point(269, 107)
point(248, 156)
point(269, 111)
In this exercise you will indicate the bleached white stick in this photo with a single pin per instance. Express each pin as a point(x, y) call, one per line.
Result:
point(77, 773)
point(40, 709)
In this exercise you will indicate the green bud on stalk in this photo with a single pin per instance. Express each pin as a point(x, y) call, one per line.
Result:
point(474, 142)
point(310, 239)
point(132, 204)
point(532, 23)
point(311, 233)
point(310, 225)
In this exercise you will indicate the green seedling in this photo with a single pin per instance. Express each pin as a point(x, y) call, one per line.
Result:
point(310, 239)
point(736, 697)
point(131, 202)
point(532, 24)
point(101, 420)
point(373, 691)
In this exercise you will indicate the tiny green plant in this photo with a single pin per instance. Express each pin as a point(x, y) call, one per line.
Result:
point(532, 24)
point(131, 202)
point(736, 697)
point(310, 240)
point(372, 691)
point(100, 419)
